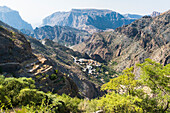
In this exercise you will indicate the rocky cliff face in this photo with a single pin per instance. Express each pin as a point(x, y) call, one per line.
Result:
point(91, 20)
point(63, 35)
point(12, 18)
point(13, 45)
point(145, 38)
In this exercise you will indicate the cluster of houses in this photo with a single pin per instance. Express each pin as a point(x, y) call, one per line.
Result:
point(87, 65)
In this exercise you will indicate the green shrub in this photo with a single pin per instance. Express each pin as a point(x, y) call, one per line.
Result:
point(56, 71)
point(119, 103)
point(1, 27)
point(38, 76)
point(16, 92)
point(88, 106)
point(12, 39)
point(13, 33)
point(53, 77)
point(29, 96)
point(72, 104)
point(12, 87)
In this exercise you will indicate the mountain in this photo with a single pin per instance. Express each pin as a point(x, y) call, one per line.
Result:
point(13, 46)
point(12, 18)
point(155, 13)
point(51, 65)
point(63, 35)
point(91, 20)
point(18, 60)
point(132, 16)
point(144, 38)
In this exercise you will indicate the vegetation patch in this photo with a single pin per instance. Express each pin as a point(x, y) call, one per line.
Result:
point(148, 94)
point(53, 77)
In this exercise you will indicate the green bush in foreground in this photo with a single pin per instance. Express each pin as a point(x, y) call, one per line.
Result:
point(11, 88)
point(71, 104)
point(20, 93)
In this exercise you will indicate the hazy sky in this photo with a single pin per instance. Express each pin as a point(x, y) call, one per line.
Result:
point(33, 11)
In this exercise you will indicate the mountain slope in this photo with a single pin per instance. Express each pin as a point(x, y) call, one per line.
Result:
point(88, 19)
point(41, 60)
point(62, 58)
point(144, 38)
point(18, 60)
point(63, 35)
point(12, 18)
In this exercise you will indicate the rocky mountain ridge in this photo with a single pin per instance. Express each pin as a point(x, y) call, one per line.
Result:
point(155, 13)
point(61, 34)
point(91, 20)
point(18, 60)
point(144, 38)
point(12, 18)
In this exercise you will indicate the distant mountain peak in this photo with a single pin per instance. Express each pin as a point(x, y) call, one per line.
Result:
point(155, 13)
point(88, 10)
point(12, 18)
point(91, 20)
point(132, 16)
point(5, 9)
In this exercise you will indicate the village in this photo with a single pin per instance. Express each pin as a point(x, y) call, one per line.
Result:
point(88, 65)
point(95, 70)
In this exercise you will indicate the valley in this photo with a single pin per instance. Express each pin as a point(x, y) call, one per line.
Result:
point(85, 60)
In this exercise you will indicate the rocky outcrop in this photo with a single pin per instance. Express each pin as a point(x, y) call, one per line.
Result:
point(12, 18)
point(97, 58)
point(96, 44)
point(91, 20)
point(13, 45)
point(144, 38)
point(63, 35)
point(155, 13)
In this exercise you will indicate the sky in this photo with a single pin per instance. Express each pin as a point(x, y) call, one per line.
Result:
point(34, 11)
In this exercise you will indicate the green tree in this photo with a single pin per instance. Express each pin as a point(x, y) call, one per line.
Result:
point(116, 103)
point(150, 93)
point(29, 96)
point(121, 97)
point(157, 78)
point(12, 86)
point(72, 104)
point(53, 77)
point(124, 82)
